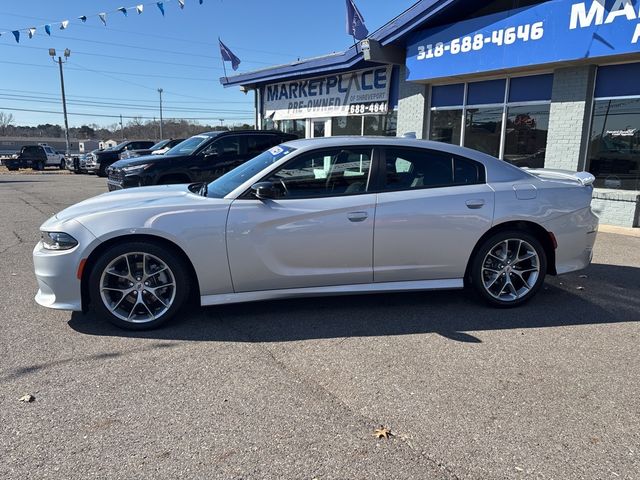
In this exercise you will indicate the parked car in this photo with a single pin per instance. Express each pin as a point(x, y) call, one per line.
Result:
point(299, 220)
point(98, 162)
point(78, 163)
point(159, 148)
point(201, 158)
point(37, 157)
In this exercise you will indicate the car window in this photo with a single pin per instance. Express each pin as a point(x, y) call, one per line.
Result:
point(421, 168)
point(257, 144)
point(225, 147)
point(325, 173)
point(48, 150)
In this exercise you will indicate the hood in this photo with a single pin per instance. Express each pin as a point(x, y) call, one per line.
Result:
point(161, 196)
point(130, 162)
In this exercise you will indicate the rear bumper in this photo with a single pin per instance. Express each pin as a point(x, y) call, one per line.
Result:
point(576, 235)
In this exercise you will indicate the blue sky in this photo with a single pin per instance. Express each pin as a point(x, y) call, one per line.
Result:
point(117, 69)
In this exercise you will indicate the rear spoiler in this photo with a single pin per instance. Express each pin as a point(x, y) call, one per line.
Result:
point(583, 178)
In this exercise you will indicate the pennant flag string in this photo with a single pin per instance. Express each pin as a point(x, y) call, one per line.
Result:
point(64, 24)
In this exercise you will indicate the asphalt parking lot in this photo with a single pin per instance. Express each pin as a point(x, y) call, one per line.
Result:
point(295, 389)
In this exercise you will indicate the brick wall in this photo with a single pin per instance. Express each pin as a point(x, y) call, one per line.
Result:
point(617, 207)
point(571, 101)
point(412, 105)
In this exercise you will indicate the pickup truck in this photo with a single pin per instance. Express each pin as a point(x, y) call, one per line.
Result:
point(37, 157)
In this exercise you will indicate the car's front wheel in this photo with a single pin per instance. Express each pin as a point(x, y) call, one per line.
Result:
point(138, 285)
point(509, 268)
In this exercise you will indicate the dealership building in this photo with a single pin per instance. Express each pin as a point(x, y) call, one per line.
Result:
point(553, 84)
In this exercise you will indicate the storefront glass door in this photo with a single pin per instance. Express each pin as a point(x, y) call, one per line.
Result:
point(320, 127)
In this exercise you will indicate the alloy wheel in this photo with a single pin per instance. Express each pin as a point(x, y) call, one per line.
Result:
point(137, 287)
point(510, 270)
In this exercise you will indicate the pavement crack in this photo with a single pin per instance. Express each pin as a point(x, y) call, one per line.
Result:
point(324, 394)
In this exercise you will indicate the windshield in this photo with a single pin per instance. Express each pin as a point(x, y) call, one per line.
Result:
point(159, 145)
point(189, 146)
point(227, 183)
point(119, 146)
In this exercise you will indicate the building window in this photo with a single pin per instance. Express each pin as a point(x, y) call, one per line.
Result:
point(381, 125)
point(483, 127)
point(446, 126)
point(484, 106)
point(614, 147)
point(346, 125)
point(614, 150)
point(526, 135)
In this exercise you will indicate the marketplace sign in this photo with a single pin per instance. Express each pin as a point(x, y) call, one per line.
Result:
point(553, 31)
point(353, 93)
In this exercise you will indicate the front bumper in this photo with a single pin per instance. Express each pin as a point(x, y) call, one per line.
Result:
point(118, 180)
point(57, 272)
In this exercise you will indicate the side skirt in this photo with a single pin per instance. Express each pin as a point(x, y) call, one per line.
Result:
point(364, 288)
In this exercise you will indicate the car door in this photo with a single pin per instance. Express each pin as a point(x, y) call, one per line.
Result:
point(432, 209)
point(318, 232)
point(52, 158)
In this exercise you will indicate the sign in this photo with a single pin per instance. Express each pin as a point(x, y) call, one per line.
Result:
point(553, 31)
point(354, 93)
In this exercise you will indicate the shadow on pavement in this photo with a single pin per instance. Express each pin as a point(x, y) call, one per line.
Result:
point(609, 294)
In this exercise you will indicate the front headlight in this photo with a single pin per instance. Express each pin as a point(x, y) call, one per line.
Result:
point(57, 241)
point(133, 169)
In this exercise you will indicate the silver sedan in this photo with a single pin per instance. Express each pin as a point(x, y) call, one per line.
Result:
point(319, 217)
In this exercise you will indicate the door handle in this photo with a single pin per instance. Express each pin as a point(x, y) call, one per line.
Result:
point(357, 216)
point(474, 204)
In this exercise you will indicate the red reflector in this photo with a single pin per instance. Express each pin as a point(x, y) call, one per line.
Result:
point(83, 262)
point(554, 242)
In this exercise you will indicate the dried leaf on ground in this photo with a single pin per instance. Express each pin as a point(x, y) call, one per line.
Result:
point(382, 432)
point(27, 398)
point(579, 288)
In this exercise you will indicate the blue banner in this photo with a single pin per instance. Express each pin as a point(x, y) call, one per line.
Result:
point(553, 31)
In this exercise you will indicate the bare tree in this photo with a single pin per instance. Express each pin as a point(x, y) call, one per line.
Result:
point(6, 119)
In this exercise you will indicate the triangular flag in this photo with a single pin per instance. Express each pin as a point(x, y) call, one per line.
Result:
point(103, 17)
point(139, 8)
point(123, 10)
point(64, 24)
point(83, 18)
point(32, 32)
point(47, 28)
point(16, 33)
point(161, 7)
point(181, 3)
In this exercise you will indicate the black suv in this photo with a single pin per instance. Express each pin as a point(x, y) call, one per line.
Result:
point(97, 162)
point(30, 156)
point(201, 158)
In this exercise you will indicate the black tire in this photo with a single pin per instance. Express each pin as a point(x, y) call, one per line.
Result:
point(12, 169)
point(489, 273)
point(40, 165)
point(77, 172)
point(62, 165)
point(176, 269)
point(102, 171)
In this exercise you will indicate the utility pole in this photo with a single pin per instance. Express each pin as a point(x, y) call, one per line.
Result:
point(67, 54)
point(221, 122)
point(160, 92)
point(121, 128)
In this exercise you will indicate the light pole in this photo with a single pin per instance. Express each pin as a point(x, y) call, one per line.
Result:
point(160, 92)
point(221, 122)
point(67, 54)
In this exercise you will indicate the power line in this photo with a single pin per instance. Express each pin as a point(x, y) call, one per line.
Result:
point(101, 115)
point(153, 102)
point(49, 100)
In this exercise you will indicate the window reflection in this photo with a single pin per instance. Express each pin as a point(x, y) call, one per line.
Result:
point(446, 126)
point(483, 128)
point(614, 150)
point(526, 135)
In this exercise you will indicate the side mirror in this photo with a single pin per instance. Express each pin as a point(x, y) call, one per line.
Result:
point(265, 190)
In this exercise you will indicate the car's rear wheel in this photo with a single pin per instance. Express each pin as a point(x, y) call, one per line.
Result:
point(509, 268)
point(102, 171)
point(138, 285)
point(40, 165)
